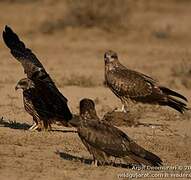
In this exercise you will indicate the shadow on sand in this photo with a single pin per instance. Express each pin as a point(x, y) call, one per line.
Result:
point(13, 124)
point(64, 131)
point(24, 126)
point(70, 157)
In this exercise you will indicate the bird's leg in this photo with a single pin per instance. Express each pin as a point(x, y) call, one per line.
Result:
point(49, 127)
point(45, 125)
point(123, 109)
point(36, 125)
point(112, 162)
point(39, 126)
point(119, 109)
point(46, 129)
point(33, 127)
point(95, 163)
point(125, 104)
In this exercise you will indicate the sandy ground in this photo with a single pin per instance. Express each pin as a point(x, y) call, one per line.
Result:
point(158, 44)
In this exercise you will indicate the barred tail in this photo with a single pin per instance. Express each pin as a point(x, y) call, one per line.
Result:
point(176, 104)
point(172, 102)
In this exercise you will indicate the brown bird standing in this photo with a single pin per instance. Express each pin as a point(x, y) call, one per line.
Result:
point(47, 90)
point(35, 105)
point(128, 84)
point(103, 140)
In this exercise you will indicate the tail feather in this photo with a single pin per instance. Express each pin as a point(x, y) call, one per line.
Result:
point(153, 159)
point(149, 159)
point(176, 104)
point(172, 102)
point(172, 93)
point(142, 156)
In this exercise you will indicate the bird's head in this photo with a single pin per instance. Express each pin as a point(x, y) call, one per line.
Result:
point(110, 56)
point(87, 109)
point(24, 84)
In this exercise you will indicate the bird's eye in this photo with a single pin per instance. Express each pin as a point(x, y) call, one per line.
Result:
point(113, 56)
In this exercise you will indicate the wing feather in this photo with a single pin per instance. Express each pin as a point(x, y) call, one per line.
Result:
point(37, 73)
point(24, 55)
point(36, 106)
point(129, 83)
point(105, 137)
point(56, 102)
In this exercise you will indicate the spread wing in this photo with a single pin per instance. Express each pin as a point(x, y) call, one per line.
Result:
point(128, 83)
point(24, 55)
point(53, 99)
point(104, 137)
point(36, 72)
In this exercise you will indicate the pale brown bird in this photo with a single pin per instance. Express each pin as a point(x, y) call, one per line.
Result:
point(103, 140)
point(47, 90)
point(129, 85)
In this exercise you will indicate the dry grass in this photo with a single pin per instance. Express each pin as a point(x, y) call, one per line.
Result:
point(183, 69)
point(19, 1)
point(163, 33)
point(108, 15)
point(183, 72)
point(80, 80)
point(104, 14)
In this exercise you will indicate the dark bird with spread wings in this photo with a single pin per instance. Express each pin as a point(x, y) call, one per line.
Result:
point(104, 141)
point(131, 85)
point(47, 90)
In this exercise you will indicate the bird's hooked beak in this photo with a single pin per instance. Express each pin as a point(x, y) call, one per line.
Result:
point(17, 87)
point(106, 58)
